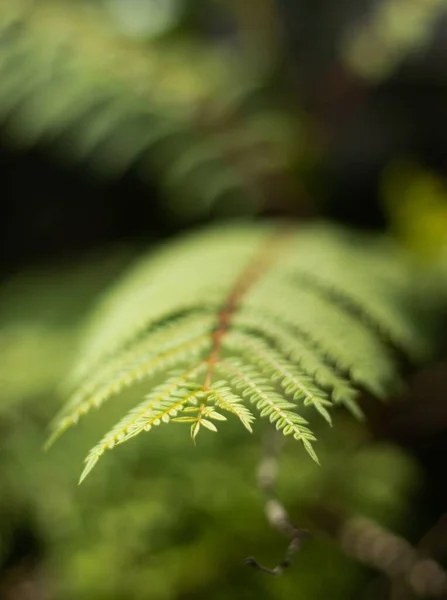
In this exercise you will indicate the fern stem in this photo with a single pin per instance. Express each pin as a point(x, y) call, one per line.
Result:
point(260, 263)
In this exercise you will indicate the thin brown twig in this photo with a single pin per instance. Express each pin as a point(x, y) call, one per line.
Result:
point(275, 511)
point(358, 537)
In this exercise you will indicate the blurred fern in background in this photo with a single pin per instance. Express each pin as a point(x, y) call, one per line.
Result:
point(186, 113)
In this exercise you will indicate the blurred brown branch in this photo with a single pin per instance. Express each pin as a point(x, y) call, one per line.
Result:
point(411, 571)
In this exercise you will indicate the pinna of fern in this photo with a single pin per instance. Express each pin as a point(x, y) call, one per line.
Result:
point(251, 319)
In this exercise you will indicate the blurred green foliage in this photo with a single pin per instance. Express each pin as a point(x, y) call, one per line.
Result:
point(191, 115)
point(394, 29)
point(415, 200)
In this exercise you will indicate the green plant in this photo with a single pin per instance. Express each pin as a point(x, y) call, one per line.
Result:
point(299, 324)
point(246, 318)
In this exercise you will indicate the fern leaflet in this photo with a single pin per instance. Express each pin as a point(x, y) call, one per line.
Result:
point(247, 326)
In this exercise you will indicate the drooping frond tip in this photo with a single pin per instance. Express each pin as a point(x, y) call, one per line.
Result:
point(242, 320)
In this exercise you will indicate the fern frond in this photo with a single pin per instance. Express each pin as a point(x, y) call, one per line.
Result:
point(203, 415)
point(143, 359)
point(225, 399)
point(160, 406)
point(133, 356)
point(348, 278)
point(244, 319)
point(129, 374)
point(148, 296)
point(343, 340)
point(296, 384)
point(256, 388)
point(300, 351)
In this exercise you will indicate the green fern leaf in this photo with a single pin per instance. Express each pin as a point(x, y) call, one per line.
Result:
point(225, 399)
point(128, 373)
point(256, 388)
point(248, 326)
point(301, 353)
point(160, 406)
point(298, 385)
